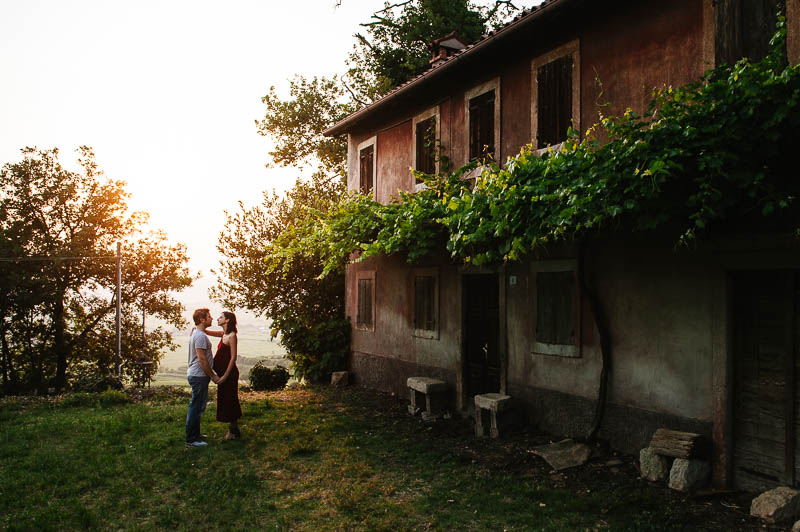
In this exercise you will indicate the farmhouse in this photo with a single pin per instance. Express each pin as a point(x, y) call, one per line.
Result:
point(704, 339)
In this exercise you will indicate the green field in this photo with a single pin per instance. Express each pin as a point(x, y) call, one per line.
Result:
point(252, 348)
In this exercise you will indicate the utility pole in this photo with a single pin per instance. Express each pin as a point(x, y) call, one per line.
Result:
point(119, 310)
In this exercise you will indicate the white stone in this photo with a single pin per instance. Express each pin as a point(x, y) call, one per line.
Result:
point(426, 385)
point(780, 505)
point(655, 467)
point(495, 402)
point(688, 475)
point(339, 379)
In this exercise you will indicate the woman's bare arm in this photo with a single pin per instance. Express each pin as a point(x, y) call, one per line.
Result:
point(218, 334)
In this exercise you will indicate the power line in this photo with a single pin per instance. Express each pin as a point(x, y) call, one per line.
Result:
point(37, 259)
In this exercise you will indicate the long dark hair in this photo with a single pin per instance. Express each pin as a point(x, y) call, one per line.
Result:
point(231, 325)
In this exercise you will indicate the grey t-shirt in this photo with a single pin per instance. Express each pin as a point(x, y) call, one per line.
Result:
point(199, 340)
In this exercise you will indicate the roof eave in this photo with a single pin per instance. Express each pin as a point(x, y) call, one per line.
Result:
point(350, 122)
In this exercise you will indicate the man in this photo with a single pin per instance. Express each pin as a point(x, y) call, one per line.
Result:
point(199, 375)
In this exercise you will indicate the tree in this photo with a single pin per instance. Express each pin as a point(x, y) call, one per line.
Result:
point(394, 45)
point(59, 229)
point(264, 268)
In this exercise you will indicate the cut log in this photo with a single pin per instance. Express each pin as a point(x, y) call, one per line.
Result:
point(680, 444)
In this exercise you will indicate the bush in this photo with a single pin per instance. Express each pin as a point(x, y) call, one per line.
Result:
point(265, 378)
point(93, 383)
point(113, 398)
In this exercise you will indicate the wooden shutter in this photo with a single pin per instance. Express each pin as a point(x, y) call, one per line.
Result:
point(426, 145)
point(364, 314)
point(424, 302)
point(366, 159)
point(555, 307)
point(554, 94)
point(481, 125)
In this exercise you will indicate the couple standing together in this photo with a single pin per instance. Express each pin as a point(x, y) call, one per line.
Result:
point(220, 368)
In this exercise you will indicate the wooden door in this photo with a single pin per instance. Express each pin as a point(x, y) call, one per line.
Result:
point(765, 394)
point(481, 333)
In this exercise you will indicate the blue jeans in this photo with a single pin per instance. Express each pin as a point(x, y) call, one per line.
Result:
point(196, 407)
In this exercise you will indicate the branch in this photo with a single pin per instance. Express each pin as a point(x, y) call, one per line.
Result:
point(491, 13)
point(365, 42)
point(601, 322)
point(353, 94)
point(387, 8)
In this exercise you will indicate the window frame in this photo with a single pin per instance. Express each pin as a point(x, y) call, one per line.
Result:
point(359, 276)
point(571, 48)
point(433, 112)
point(431, 334)
point(541, 348)
point(372, 141)
point(490, 85)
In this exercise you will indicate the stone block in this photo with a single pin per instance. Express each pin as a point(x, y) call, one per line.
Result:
point(428, 392)
point(426, 385)
point(655, 467)
point(493, 404)
point(688, 475)
point(780, 505)
point(339, 379)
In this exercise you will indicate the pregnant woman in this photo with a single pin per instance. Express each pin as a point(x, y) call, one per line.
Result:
point(228, 408)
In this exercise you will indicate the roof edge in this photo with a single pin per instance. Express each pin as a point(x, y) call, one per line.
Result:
point(346, 124)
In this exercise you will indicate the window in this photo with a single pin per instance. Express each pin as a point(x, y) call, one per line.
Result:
point(555, 92)
point(424, 147)
point(365, 301)
point(483, 119)
point(557, 312)
point(426, 303)
point(366, 159)
point(481, 126)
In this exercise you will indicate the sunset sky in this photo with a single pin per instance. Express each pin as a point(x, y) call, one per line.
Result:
point(167, 93)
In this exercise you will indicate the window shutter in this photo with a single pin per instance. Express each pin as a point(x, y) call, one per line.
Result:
point(364, 314)
point(555, 307)
point(554, 94)
point(424, 303)
point(481, 125)
point(366, 162)
point(426, 145)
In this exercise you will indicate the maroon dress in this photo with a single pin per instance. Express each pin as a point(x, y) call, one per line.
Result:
point(228, 407)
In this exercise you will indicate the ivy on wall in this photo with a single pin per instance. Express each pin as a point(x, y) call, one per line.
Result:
point(703, 155)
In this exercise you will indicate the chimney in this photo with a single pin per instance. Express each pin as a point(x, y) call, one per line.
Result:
point(445, 47)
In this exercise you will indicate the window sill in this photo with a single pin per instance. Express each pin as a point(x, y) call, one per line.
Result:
point(429, 335)
point(365, 329)
point(561, 350)
point(554, 148)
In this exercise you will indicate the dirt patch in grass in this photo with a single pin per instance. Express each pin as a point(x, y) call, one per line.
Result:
point(613, 475)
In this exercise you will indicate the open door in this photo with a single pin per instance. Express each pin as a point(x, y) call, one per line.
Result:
point(481, 333)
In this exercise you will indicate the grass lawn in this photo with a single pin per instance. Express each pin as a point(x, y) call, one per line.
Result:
point(310, 459)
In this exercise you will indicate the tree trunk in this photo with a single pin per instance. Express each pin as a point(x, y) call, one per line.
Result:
point(6, 355)
point(601, 321)
point(60, 342)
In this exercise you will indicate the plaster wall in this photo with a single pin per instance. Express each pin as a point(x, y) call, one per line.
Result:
point(394, 331)
point(660, 307)
point(649, 45)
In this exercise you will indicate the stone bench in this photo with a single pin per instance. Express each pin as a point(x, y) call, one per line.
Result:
point(430, 392)
point(490, 404)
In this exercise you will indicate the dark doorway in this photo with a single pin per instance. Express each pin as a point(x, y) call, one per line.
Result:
point(765, 368)
point(481, 332)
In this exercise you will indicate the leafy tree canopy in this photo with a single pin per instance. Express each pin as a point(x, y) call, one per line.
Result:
point(264, 268)
point(58, 234)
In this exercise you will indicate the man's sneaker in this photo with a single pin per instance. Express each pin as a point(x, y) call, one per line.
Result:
point(197, 443)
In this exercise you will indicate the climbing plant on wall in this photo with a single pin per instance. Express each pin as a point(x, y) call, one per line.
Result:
point(703, 155)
